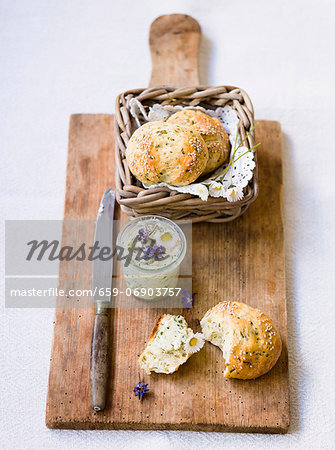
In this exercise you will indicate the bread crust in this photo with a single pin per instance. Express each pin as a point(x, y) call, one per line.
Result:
point(253, 342)
point(211, 130)
point(162, 152)
point(154, 331)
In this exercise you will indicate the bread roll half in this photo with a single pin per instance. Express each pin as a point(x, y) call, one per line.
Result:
point(248, 338)
point(170, 345)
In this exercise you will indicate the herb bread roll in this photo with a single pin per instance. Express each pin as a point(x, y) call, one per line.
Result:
point(161, 152)
point(170, 345)
point(248, 338)
point(212, 131)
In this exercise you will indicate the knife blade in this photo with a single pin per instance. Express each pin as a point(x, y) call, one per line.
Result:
point(102, 278)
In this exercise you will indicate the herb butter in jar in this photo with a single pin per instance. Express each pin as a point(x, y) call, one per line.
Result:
point(153, 249)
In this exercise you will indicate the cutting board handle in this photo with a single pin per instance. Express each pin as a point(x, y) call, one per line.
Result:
point(174, 45)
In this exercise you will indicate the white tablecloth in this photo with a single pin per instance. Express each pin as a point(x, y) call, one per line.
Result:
point(59, 57)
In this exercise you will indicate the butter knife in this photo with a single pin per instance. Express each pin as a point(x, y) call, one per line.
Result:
point(102, 278)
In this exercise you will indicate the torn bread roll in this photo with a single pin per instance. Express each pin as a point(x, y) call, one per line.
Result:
point(248, 338)
point(170, 345)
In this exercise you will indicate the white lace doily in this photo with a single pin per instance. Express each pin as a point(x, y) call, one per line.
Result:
point(229, 186)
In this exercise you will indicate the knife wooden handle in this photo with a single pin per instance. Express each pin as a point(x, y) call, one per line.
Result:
point(99, 364)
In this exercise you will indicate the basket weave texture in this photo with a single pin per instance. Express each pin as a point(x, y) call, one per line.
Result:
point(135, 200)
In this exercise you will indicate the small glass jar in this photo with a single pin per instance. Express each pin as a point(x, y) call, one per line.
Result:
point(155, 248)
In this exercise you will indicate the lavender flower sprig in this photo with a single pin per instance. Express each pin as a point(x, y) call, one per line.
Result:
point(187, 299)
point(140, 390)
point(142, 235)
point(154, 251)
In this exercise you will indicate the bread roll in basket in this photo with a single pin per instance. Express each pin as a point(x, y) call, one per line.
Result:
point(175, 82)
point(136, 200)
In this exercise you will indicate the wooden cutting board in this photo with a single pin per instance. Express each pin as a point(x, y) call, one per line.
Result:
point(241, 260)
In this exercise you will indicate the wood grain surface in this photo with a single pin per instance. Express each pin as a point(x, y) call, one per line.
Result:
point(174, 45)
point(240, 260)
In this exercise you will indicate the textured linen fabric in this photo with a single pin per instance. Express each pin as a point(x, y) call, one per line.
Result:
point(60, 57)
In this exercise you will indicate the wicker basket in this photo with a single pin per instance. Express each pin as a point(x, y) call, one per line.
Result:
point(135, 200)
